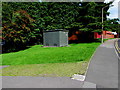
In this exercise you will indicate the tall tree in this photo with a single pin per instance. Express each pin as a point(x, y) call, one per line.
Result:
point(36, 17)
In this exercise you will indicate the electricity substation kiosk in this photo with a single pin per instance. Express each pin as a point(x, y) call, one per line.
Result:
point(55, 38)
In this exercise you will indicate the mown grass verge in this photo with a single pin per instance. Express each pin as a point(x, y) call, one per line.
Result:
point(49, 61)
point(46, 70)
point(42, 55)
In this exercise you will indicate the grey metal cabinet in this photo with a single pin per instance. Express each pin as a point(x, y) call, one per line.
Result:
point(56, 38)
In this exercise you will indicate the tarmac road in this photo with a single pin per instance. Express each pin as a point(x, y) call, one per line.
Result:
point(119, 43)
point(119, 47)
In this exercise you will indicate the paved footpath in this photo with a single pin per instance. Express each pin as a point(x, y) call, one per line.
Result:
point(103, 68)
point(39, 82)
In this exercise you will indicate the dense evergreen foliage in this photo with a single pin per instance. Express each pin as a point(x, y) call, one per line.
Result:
point(24, 22)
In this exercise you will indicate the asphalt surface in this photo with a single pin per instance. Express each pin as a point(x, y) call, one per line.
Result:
point(103, 68)
point(119, 43)
point(119, 63)
point(39, 82)
point(117, 47)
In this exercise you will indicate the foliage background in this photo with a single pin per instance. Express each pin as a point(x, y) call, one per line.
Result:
point(24, 22)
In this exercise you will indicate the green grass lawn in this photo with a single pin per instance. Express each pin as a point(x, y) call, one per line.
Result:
point(43, 55)
point(49, 61)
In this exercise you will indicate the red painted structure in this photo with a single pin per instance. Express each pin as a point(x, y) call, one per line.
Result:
point(97, 35)
point(106, 35)
point(80, 36)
